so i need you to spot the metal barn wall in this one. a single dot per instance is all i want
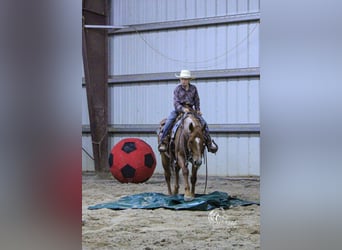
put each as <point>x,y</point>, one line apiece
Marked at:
<point>203,48</point>
<point>155,55</point>
<point>233,101</point>
<point>238,156</point>
<point>127,12</point>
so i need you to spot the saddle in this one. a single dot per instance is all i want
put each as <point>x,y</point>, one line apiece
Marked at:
<point>173,130</point>
<point>170,136</point>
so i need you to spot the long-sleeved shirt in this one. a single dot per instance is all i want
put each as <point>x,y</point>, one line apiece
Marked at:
<point>188,97</point>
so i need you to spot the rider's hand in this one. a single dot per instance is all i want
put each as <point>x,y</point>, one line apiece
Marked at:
<point>186,110</point>
<point>199,112</point>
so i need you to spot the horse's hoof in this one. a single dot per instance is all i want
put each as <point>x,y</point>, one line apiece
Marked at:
<point>188,198</point>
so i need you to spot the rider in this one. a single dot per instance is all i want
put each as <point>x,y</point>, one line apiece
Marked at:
<point>185,98</point>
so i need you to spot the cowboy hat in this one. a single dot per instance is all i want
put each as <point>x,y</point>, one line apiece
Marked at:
<point>185,74</point>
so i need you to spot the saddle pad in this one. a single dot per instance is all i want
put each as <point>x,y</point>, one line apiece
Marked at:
<point>175,127</point>
<point>202,202</point>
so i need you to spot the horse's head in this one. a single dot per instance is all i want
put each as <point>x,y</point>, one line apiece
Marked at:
<point>196,143</point>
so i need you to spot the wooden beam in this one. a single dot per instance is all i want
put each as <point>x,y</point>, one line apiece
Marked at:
<point>95,62</point>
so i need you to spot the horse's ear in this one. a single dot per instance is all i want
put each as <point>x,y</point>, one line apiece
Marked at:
<point>191,127</point>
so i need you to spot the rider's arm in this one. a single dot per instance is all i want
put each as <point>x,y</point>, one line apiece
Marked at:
<point>197,101</point>
<point>177,101</point>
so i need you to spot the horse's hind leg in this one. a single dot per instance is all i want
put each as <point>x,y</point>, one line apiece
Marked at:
<point>167,172</point>
<point>176,186</point>
<point>167,175</point>
<point>193,180</point>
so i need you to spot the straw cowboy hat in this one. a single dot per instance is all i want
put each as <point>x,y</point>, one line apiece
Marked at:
<point>185,74</point>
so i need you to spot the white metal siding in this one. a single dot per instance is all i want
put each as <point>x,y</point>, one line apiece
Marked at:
<point>222,101</point>
<point>202,48</point>
<point>128,12</point>
<point>238,155</point>
<point>87,162</point>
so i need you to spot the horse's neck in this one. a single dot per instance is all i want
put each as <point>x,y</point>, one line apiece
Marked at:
<point>186,124</point>
<point>183,133</point>
<point>191,119</point>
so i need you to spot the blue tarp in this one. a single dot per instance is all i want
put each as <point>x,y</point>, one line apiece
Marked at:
<point>202,202</point>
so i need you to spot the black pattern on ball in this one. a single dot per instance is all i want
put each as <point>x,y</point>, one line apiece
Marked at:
<point>128,147</point>
<point>149,161</point>
<point>128,171</point>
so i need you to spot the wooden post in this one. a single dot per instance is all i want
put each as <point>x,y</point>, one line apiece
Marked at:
<point>95,62</point>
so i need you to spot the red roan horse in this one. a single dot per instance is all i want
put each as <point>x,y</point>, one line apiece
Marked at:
<point>187,146</point>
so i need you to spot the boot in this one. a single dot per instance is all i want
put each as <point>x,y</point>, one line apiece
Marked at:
<point>162,147</point>
<point>211,145</point>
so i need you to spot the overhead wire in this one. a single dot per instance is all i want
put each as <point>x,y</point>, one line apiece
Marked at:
<point>199,61</point>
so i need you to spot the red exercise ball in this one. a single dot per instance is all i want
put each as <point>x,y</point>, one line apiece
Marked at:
<point>132,160</point>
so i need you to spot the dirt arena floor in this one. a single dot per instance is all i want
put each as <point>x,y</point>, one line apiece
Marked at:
<point>234,228</point>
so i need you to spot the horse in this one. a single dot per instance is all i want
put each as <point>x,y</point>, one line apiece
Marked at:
<point>187,146</point>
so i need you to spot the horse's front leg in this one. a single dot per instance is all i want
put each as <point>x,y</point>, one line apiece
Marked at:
<point>193,179</point>
<point>185,171</point>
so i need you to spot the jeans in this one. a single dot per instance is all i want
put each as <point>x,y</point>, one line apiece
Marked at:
<point>172,117</point>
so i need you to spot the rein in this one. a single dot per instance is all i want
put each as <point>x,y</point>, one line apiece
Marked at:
<point>206,171</point>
